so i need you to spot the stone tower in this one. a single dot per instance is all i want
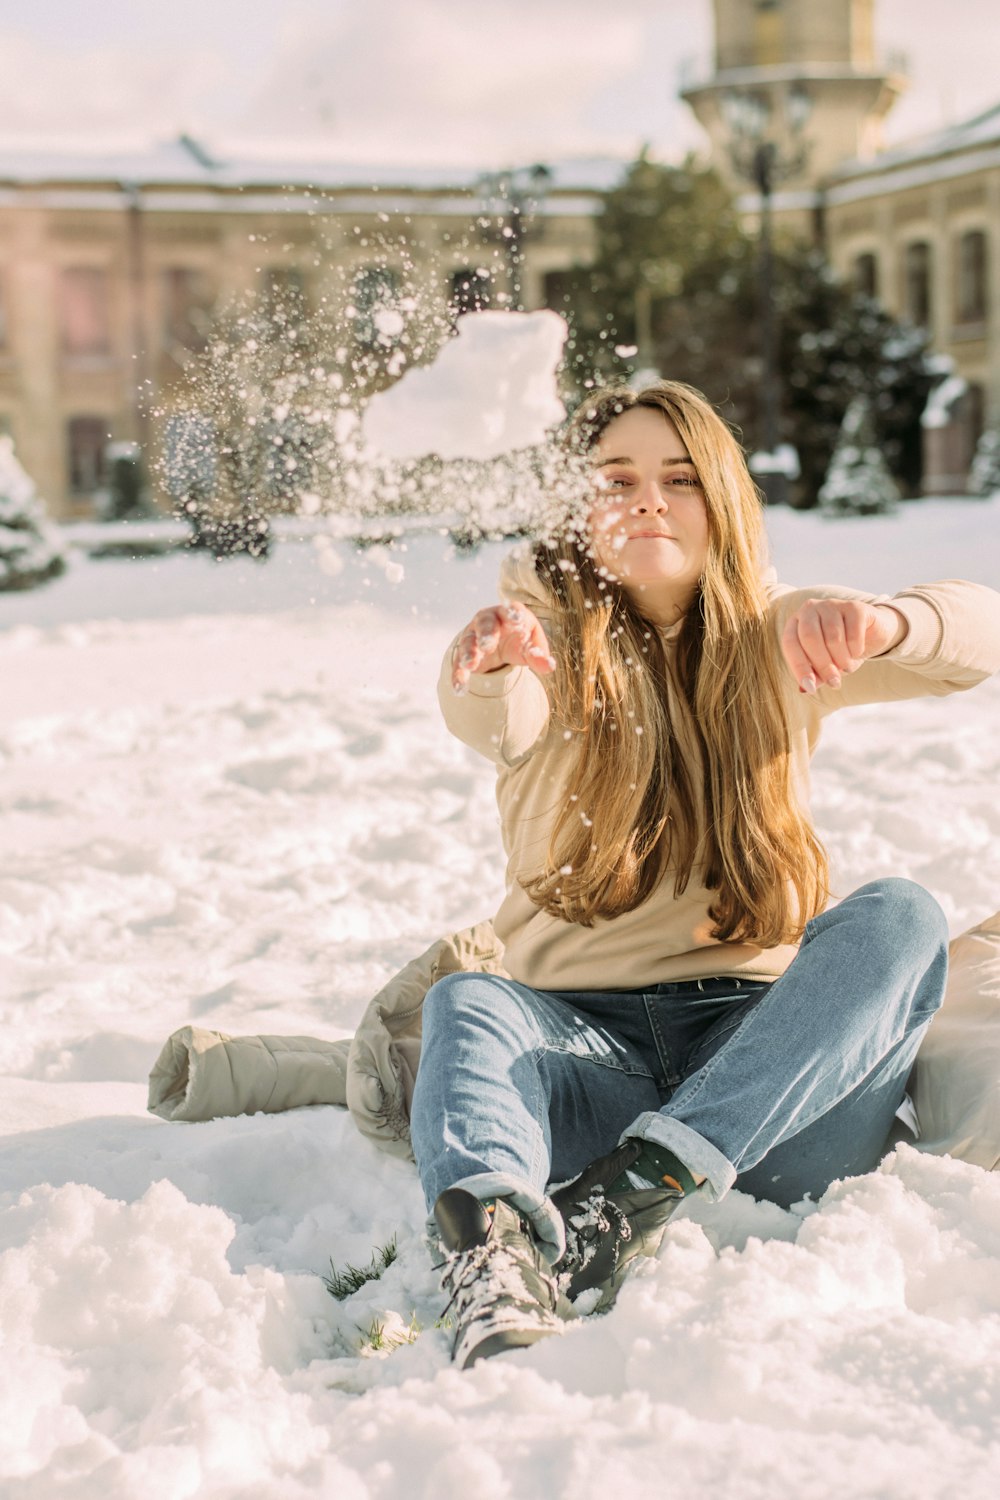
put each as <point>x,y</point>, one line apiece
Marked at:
<point>802,72</point>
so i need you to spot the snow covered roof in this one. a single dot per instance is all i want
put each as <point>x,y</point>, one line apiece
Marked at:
<point>979,132</point>
<point>190,162</point>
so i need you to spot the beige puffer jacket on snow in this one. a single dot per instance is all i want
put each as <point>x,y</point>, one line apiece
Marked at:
<point>201,1075</point>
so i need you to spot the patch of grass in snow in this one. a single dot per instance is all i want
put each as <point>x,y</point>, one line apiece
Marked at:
<point>377,1339</point>
<point>343,1284</point>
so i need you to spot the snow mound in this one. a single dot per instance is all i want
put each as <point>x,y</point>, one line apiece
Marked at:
<point>508,359</point>
<point>249,821</point>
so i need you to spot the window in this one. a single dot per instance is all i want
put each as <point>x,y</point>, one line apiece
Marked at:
<point>87,438</point>
<point>471,290</point>
<point>866,274</point>
<point>283,292</point>
<point>84,311</point>
<point>288,464</point>
<point>187,308</point>
<point>375,297</point>
<point>917,283</point>
<point>189,455</point>
<point>975,416</point>
<point>971,298</point>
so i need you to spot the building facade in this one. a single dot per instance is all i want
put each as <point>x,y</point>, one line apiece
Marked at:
<point>918,227</point>
<point>113,272</point>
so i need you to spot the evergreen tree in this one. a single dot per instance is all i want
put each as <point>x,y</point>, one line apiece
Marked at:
<point>656,230</point>
<point>30,550</point>
<point>858,482</point>
<point>837,345</point>
<point>833,346</point>
<point>984,476</point>
<point>671,246</point>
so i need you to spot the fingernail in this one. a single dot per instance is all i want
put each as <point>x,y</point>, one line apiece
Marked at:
<point>834,679</point>
<point>460,688</point>
<point>808,684</point>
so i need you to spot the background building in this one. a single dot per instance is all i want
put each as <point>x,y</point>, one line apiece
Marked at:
<point>799,67</point>
<point>915,227</point>
<point>919,228</point>
<point>113,269</point>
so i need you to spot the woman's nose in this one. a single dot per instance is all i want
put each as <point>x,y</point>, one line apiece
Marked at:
<point>649,498</point>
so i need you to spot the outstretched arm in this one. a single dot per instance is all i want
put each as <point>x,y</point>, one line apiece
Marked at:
<point>825,638</point>
<point>490,690</point>
<point>845,647</point>
<point>501,635</point>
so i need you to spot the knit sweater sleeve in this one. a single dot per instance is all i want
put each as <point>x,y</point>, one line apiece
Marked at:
<point>952,642</point>
<point>504,715</point>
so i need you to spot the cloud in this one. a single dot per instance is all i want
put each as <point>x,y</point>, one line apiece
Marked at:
<point>103,89</point>
<point>443,80</point>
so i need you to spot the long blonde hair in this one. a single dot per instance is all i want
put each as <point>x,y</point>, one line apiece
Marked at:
<point>630,815</point>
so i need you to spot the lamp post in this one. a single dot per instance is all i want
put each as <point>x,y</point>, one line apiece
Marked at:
<point>515,198</point>
<point>760,156</point>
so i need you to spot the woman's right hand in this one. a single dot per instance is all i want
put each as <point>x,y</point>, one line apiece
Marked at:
<point>502,635</point>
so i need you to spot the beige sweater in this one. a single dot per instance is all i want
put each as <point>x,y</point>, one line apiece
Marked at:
<point>952,643</point>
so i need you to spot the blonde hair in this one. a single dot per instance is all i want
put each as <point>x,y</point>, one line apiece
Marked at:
<point>631,813</point>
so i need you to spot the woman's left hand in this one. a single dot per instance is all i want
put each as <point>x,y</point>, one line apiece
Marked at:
<point>825,638</point>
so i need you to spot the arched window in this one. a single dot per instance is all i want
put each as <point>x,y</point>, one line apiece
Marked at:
<point>471,290</point>
<point>375,298</point>
<point>866,274</point>
<point>86,441</point>
<point>187,308</point>
<point>917,283</point>
<point>84,310</point>
<point>190,447</point>
<point>971,301</point>
<point>975,415</point>
<point>283,295</point>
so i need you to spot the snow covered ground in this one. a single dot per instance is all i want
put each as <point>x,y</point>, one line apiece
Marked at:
<point>226,797</point>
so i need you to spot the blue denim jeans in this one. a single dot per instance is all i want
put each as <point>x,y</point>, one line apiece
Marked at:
<point>775,1087</point>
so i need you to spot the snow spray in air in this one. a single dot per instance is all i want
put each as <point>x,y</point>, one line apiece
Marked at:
<point>370,411</point>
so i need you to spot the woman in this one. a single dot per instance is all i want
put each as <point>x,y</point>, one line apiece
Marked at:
<point>685,1011</point>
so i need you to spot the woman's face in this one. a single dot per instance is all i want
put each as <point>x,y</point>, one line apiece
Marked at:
<point>649,525</point>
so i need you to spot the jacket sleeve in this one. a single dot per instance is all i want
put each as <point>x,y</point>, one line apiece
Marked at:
<point>952,642</point>
<point>956,1080</point>
<point>202,1075</point>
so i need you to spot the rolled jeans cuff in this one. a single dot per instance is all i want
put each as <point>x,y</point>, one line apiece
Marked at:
<point>546,1220</point>
<point>697,1154</point>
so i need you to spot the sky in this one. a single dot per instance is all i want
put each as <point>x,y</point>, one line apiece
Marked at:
<point>407,81</point>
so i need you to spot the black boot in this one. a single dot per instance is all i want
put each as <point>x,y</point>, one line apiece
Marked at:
<point>503,1293</point>
<point>609,1221</point>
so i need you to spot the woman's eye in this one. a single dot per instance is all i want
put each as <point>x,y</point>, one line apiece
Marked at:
<point>685,479</point>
